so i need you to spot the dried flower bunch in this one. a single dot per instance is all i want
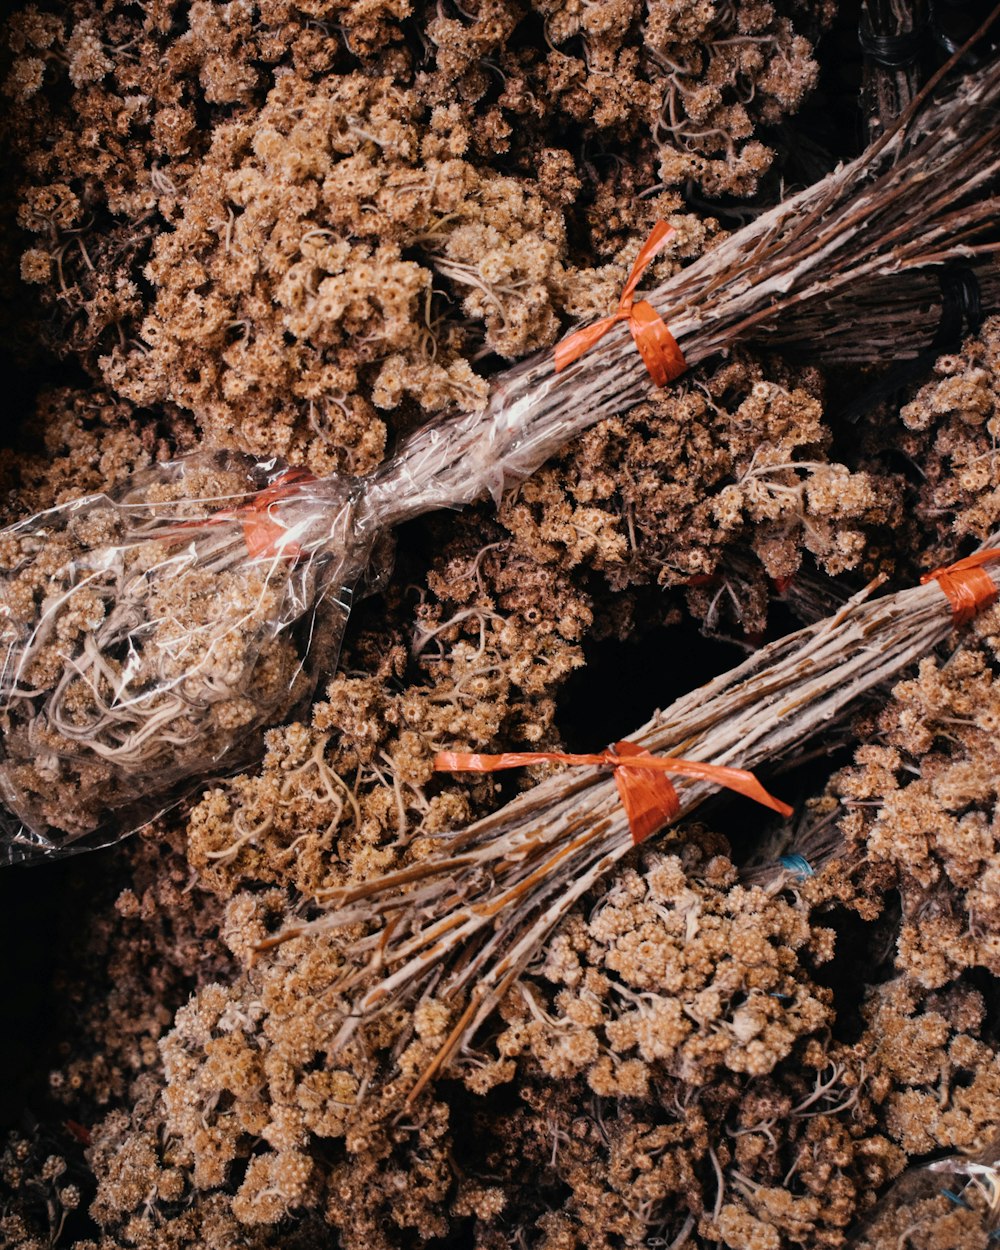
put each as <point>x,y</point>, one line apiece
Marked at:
<point>459,925</point>
<point>146,632</point>
<point>828,243</point>
<point>295,229</point>
<point>297,225</point>
<point>953,1201</point>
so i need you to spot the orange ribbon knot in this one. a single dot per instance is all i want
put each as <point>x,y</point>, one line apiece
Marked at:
<point>966,583</point>
<point>262,531</point>
<point>649,799</point>
<point>657,346</point>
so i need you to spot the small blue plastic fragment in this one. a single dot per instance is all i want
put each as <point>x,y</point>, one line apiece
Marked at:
<point>958,1200</point>
<point>799,865</point>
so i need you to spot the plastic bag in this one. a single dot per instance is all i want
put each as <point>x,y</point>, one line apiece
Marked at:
<point>953,1202</point>
<point>146,634</point>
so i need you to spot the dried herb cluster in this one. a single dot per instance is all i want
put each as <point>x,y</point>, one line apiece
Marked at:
<point>708,1052</point>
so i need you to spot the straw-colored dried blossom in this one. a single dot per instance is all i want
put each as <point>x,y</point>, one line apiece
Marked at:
<point>139,109</point>
<point>784,1142</point>
<point>564,1162</point>
<point>262,1041</point>
<point>245,1078</point>
<point>502,625</point>
<point>920,806</point>
<point>952,425</point>
<point>928,1221</point>
<point>90,442</point>
<point>46,1191</point>
<point>353,788</point>
<point>296,228</point>
<point>675,970</point>
<point>934,1059</point>
<point>144,950</point>
<point>700,78</point>
<point>674,489</point>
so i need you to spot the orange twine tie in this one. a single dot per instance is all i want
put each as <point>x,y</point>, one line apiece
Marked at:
<point>966,583</point>
<point>657,346</point>
<point>649,799</point>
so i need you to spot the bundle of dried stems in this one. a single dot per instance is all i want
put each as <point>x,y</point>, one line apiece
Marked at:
<point>121,674</point>
<point>463,923</point>
<point>850,268</point>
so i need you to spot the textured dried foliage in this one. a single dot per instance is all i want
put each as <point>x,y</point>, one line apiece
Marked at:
<point>952,425</point>
<point>250,216</point>
<point>670,1056</point>
<point>241,211</point>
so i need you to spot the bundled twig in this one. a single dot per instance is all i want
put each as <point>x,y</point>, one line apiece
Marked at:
<point>463,923</point>
<point>152,633</point>
<point>850,266</point>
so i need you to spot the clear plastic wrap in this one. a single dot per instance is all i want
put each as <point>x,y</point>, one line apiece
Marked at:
<point>953,1202</point>
<point>146,634</point>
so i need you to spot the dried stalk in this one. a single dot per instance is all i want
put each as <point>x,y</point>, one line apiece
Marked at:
<point>848,266</point>
<point>891,34</point>
<point>463,923</point>
<point>141,640</point>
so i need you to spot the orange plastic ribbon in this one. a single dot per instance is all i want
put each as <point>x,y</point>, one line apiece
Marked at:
<point>261,530</point>
<point>967,584</point>
<point>649,799</point>
<point>657,346</point>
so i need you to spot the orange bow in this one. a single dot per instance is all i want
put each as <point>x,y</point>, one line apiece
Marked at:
<point>649,800</point>
<point>657,346</point>
<point>967,584</point>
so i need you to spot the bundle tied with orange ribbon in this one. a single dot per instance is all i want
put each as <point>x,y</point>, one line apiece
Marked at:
<point>457,926</point>
<point>147,636</point>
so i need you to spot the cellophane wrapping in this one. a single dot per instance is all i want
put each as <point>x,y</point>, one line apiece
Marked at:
<point>146,635</point>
